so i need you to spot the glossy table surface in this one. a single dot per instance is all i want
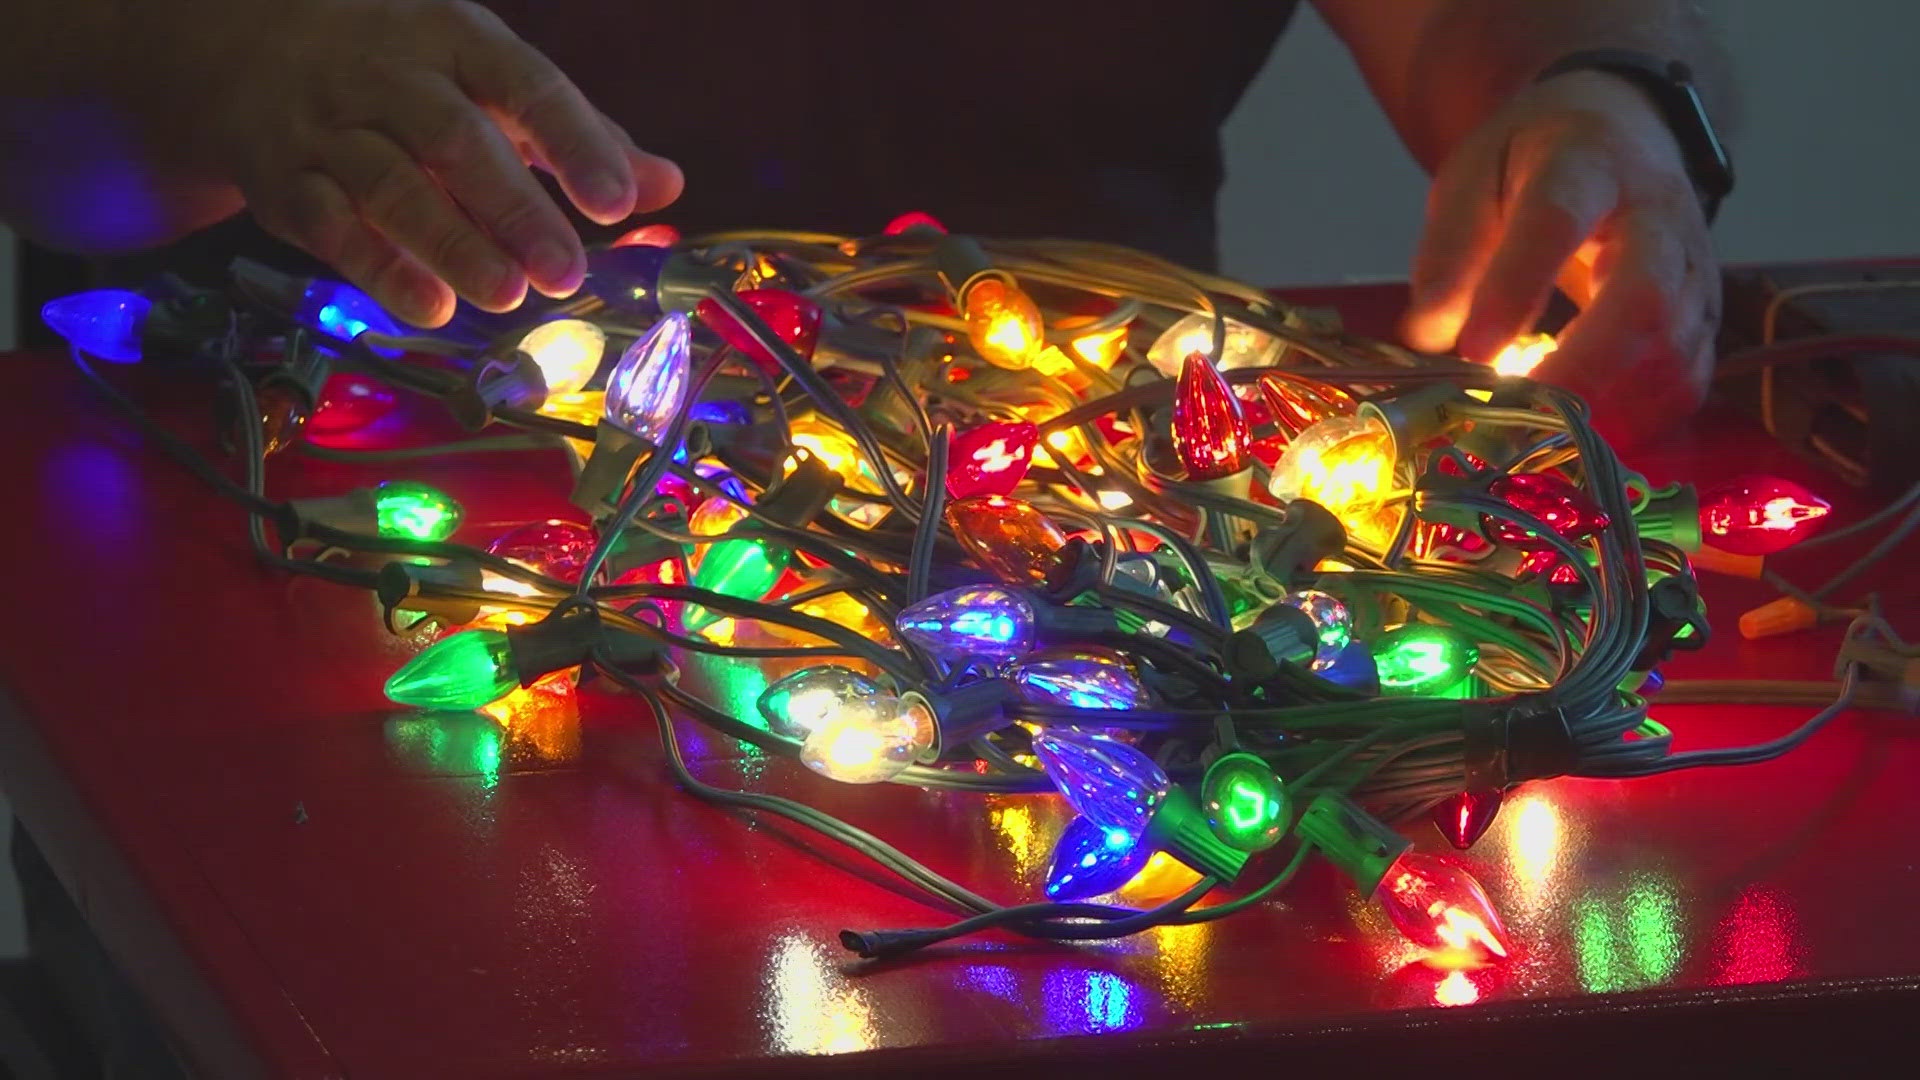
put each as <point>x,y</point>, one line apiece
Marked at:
<point>308,883</point>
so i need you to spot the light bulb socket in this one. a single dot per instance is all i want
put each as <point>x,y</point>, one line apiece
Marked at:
<point>302,371</point>
<point>1282,634</point>
<point>400,585</point>
<point>615,452</point>
<point>355,512</point>
<point>508,379</point>
<point>1309,534</point>
<point>1436,498</point>
<point>799,497</point>
<point>1672,515</point>
<point>1075,570</point>
<point>1362,846</point>
<point>960,261</point>
<point>963,713</point>
<point>1055,624</point>
<point>1179,828</point>
<point>685,281</point>
<point>1419,415</point>
<point>569,637</point>
<point>1674,606</point>
<point>636,547</point>
<point>279,291</point>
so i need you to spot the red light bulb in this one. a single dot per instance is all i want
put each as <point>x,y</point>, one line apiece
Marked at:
<point>1440,906</point>
<point>655,235</point>
<point>990,459</point>
<point>1759,515</point>
<point>558,549</point>
<point>349,402</point>
<point>1209,430</point>
<point>1559,505</point>
<point>1465,818</point>
<point>792,316</point>
<point>914,219</point>
<point>1007,537</point>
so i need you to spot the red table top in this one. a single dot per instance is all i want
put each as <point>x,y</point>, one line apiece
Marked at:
<point>309,884</point>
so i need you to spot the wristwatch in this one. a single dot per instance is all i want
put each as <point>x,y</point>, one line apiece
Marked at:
<point>1670,84</point>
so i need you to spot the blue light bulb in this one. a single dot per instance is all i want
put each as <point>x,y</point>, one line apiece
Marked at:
<point>1080,677</point>
<point>339,309</point>
<point>1110,783</point>
<point>1089,860</point>
<point>973,622</point>
<point>1354,668</point>
<point>104,323</point>
<point>627,279</point>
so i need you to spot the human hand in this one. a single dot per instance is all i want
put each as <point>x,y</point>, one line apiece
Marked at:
<point>1577,178</point>
<point>391,139</point>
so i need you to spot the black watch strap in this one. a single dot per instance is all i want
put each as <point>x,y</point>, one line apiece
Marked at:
<point>1670,84</point>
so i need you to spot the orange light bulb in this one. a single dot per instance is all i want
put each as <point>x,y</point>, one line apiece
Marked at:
<point>1008,537</point>
<point>1002,323</point>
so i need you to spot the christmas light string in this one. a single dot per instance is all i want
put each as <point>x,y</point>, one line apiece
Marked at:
<point>1256,586</point>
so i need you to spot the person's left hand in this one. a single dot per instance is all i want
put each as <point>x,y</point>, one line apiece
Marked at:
<point>1577,178</point>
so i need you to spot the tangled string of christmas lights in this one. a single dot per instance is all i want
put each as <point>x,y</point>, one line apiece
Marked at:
<point>1031,516</point>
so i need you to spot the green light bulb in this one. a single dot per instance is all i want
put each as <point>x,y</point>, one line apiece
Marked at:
<point>1423,660</point>
<point>1245,802</point>
<point>460,671</point>
<point>743,567</point>
<point>405,510</point>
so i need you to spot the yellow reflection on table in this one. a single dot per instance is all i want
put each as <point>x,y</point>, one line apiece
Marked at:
<point>811,1008</point>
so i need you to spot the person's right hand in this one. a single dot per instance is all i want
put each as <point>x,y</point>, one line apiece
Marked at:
<point>391,139</point>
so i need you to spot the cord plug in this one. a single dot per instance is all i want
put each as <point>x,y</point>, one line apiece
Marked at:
<point>885,944</point>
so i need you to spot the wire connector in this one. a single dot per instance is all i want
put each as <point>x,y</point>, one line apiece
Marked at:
<point>1506,742</point>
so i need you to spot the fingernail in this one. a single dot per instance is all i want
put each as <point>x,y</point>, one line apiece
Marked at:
<point>504,284</point>
<point>551,263</point>
<point>605,190</point>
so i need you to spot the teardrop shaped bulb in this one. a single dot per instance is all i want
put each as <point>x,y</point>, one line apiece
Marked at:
<point>990,458</point>
<point>1209,429</point>
<point>1010,538</point>
<point>649,384</point>
<point>464,670</point>
<point>558,549</point>
<point>1080,677</point>
<point>794,318</point>
<point>981,622</point>
<point>105,322</point>
<point>1109,783</point>
<point>1089,860</point>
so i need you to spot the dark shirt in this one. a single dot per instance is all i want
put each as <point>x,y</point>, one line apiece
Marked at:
<point>1063,118</point>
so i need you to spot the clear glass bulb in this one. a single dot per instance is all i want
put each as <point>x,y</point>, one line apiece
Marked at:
<point>1243,346</point>
<point>648,386</point>
<point>800,702</point>
<point>1331,621</point>
<point>567,351</point>
<point>869,740</point>
<point>1344,463</point>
